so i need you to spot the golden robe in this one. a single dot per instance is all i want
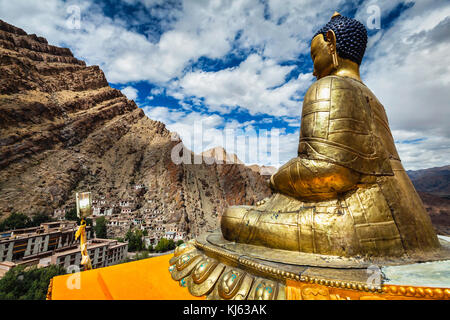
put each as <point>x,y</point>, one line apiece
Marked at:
<point>347,192</point>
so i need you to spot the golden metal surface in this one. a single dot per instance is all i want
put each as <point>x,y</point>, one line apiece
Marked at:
<point>331,273</point>
<point>203,270</point>
<point>335,14</point>
<point>226,282</point>
<point>185,264</point>
<point>205,287</point>
<point>206,276</point>
<point>282,271</point>
<point>214,244</point>
<point>173,260</point>
<point>343,123</point>
<point>313,179</point>
<point>312,291</point>
<point>263,289</point>
<point>183,248</point>
<point>371,220</point>
<point>230,282</point>
<point>347,193</point>
<point>233,284</point>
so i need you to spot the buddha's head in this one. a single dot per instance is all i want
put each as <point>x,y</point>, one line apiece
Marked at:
<point>338,48</point>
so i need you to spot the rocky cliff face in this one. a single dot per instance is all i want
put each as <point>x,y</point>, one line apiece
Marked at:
<point>435,181</point>
<point>439,210</point>
<point>433,186</point>
<point>64,129</point>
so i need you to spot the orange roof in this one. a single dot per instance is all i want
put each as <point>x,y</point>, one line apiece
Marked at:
<point>147,279</point>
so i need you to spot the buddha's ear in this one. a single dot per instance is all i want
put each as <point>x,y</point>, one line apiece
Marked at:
<point>331,39</point>
<point>331,44</point>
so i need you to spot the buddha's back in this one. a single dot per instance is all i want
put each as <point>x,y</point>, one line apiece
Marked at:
<point>346,193</point>
<point>413,222</point>
<point>381,215</point>
<point>343,122</point>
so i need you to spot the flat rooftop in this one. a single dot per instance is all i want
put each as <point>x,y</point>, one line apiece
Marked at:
<point>44,228</point>
<point>91,244</point>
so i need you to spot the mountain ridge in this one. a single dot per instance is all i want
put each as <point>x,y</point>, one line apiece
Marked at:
<point>434,180</point>
<point>433,186</point>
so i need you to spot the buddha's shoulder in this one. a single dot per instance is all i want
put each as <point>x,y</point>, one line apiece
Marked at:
<point>322,89</point>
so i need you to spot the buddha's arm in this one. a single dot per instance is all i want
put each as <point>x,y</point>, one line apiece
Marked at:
<point>313,179</point>
<point>331,113</point>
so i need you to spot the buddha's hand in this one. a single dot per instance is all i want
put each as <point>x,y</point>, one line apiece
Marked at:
<point>313,179</point>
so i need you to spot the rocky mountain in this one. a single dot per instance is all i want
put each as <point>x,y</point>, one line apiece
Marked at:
<point>263,170</point>
<point>439,211</point>
<point>433,186</point>
<point>63,129</point>
<point>219,155</point>
<point>433,180</point>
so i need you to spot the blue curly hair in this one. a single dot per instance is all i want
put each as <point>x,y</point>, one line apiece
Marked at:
<point>351,37</point>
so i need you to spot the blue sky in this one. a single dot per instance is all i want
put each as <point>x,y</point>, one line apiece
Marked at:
<point>245,64</point>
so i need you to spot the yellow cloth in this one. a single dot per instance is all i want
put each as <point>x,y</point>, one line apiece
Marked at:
<point>147,279</point>
<point>81,232</point>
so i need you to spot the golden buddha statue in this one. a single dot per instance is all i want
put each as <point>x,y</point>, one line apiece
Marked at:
<point>347,192</point>
<point>341,210</point>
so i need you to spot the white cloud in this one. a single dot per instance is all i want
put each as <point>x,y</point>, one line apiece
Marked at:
<point>409,71</point>
<point>156,91</point>
<point>256,85</point>
<point>200,132</point>
<point>433,151</point>
<point>130,92</point>
<point>200,28</point>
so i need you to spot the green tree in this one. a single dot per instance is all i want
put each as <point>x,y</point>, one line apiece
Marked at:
<point>100,227</point>
<point>15,221</point>
<point>171,244</point>
<point>89,222</point>
<point>39,218</point>
<point>32,283</point>
<point>71,214</point>
<point>20,220</point>
<point>165,245</point>
<point>162,245</point>
<point>135,240</point>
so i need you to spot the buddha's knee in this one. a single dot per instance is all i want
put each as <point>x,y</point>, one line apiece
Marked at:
<point>231,221</point>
